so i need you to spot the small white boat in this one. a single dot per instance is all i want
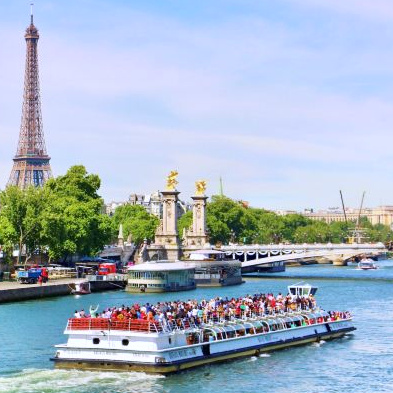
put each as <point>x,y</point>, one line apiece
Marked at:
<point>81,288</point>
<point>367,264</point>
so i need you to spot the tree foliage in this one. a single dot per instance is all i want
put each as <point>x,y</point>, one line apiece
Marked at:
<point>136,221</point>
<point>228,220</point>
<point>20,218</point>
<point>64,217</point>
<point>72,221</point>
<point>184,222</point>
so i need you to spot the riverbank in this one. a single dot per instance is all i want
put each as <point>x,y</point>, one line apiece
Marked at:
<point>13,291</point>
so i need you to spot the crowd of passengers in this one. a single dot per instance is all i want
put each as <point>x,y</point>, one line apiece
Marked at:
<point>216,309</point>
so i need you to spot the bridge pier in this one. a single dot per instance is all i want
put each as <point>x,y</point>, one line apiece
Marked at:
<point>323,260</point>
<point>339,261</point>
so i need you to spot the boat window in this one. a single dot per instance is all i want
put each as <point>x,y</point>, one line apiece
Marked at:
<point>222,334</point>
<point>241,331</point>
<point>280,325</point>
<point>125,341</point>
<point>209,335</point>
<point>249,328</point>
<point>229,331</point>
<point>257,326</point>
<point>216,329</point>
<point>96,340</point>
<point>191,339</point>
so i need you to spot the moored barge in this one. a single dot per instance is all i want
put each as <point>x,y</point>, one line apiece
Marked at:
<point>167,346</point>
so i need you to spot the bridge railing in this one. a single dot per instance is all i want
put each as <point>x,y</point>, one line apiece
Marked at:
<point>303,246</point>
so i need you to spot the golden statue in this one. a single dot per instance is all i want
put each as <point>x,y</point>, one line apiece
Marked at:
<point>171,181</point>
<point>200,187</point>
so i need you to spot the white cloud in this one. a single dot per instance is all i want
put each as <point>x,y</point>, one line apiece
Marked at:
<point>269,106</point>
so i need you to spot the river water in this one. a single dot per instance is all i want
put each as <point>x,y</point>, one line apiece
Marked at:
<point>359,363</point>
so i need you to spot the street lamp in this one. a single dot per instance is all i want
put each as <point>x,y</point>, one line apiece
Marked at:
<point>232,236</point>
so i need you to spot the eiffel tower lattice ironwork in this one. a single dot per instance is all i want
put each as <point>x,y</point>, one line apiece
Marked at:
<point>31,162</point>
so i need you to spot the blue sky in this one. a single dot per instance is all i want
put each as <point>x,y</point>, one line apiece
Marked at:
<point>288,100</point>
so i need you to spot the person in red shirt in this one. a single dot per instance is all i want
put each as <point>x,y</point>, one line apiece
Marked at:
<point>44,275</point>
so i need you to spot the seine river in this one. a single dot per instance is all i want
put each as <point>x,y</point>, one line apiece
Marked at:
<point>360,363</point>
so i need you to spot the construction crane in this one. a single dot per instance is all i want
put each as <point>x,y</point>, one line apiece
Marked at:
<point>342,203</point>
<point>358,233</point>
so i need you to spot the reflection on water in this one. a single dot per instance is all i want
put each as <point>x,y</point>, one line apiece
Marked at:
<point>28,331</point>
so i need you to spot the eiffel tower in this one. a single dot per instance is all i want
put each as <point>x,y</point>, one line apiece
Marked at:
<point>31,162</point>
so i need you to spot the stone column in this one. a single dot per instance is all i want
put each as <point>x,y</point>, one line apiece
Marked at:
<point>120,238</point>
<point>196,235</point>
<point>166,234</point>
<point>199,216</point>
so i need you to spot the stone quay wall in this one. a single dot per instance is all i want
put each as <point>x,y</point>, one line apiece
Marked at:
<point>20,292</point>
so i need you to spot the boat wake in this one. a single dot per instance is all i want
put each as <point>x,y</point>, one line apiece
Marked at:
<point>318,344</point>
<point>256,357</point>
<point>70,381</point>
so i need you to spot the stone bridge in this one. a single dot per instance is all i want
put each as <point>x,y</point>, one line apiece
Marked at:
<point>260,255</point>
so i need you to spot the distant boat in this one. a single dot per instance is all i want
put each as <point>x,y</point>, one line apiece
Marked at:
<point>81,288</point>
<point>367,264</point>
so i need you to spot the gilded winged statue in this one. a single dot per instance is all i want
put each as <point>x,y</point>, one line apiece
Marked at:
<point>171,181</point>
<point>200,186</point>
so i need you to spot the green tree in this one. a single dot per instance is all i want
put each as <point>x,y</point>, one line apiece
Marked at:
<point>184,222</point>
<point>136,221</point>
<point>72,221</point>
<point>291,223</point>
<point>218,231</point>
<point>314,232</point>
<point>21,218</point>
<point>339,231</point>
<point>270,227</point>
<point>223,219</point>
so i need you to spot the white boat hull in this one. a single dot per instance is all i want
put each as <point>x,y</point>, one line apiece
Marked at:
<point>109,357</point>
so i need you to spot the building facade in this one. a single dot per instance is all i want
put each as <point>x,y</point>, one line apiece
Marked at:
<point>378,215</point>
<point>153,204</point>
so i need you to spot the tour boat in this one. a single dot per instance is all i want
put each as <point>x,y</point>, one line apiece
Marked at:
<point>170,346</point>
<point>367,264</point>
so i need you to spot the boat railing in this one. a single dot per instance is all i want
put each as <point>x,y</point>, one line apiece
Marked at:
<point>136,325</point>
<point>183,324</point>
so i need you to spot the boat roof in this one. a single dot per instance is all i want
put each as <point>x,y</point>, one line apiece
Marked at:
<point>302,284</point>
<point>207,252</point>
<point>302,289</point>
<point>161,266</point>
